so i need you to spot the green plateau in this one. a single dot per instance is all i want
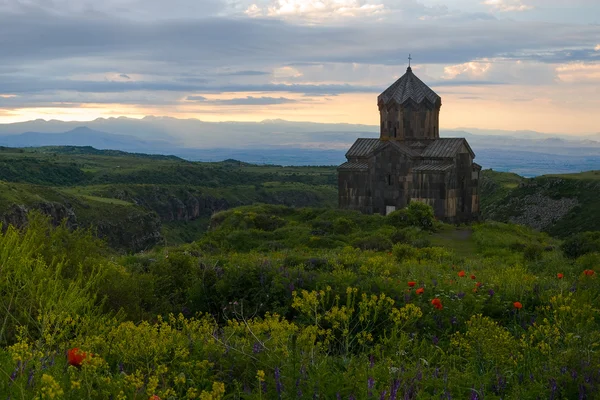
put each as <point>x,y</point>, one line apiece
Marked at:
<point>130,276</point>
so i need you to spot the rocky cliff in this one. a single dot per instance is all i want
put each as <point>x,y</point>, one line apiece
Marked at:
<point>560,205</point>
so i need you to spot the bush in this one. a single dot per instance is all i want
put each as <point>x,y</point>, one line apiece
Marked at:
<point>373,242</point>
<point>343,226</point>
<point>404,251</point>
<point>415,214</point>
<point>581,243</point>
<point>420,215</point>
<point>533,252</point>
<point>405,235</point>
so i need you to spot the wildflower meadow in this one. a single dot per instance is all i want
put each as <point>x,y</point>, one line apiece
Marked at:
<point>284,303</point>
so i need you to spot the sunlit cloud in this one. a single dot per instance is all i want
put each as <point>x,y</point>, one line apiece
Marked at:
<point>579,73</point>
<point>476,69</point>
<point>507,5</point>
<point>315,10</point>
<point>283,73</point>
<point>597,48</point>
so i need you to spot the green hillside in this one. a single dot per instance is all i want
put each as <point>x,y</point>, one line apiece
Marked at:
<point>280,302</point>
<point>558,204</point>
<point>137,201</point>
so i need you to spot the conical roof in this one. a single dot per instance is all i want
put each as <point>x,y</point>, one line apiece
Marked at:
<point>409,87</point>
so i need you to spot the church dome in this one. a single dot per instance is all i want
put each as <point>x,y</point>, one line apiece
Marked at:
<point>409,87</point>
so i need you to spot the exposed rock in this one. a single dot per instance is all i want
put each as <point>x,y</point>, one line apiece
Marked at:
<point>58,212</point>
<point>138,231</point>
<point>539,211</point>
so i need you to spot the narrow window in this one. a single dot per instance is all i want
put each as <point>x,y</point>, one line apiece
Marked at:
<point>389,179</point>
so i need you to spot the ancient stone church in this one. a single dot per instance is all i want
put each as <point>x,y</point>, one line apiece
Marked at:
<point>409,161</point>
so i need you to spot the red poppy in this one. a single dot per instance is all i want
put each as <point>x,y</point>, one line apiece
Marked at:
<point>461,274</point>
<point>560,276</point>
<point>154,397</point>
<point>75,357</point>
<point>420,290</point>
<point>517,305</point>
<point>412,283</point>
<point>473,277</point>
<point>589,272</point>
<point>474,290</point>
<point>479,284</point>
<point>437,303</point>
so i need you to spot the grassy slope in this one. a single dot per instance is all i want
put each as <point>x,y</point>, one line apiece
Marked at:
<point>503,197</point>
<point>97,182</point>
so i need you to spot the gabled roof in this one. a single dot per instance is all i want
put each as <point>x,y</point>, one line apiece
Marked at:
<point>446,148</point>
<point>354,166</point>
<point>433,167</point>
<point>362,147</point>
<point>409,87</point>
<point>403,148</point>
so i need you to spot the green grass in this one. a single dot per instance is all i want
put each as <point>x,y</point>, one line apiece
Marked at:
<point>459,240</point>
<point>588,175</point>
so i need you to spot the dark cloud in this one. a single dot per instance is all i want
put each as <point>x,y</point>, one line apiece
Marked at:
<point>244,101</point>
<point>214,42</point>
<point>196,98</point>
<point>44,51</point>
<point>245,73</point>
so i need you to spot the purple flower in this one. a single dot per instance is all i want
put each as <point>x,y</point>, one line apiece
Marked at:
<point>582,394</point>
<point>298,388</point>
<point>460,295</point>
<point>30,378</point>
<point>553,388</point>
<point>256,348</point>
<point>278,385</point>
<point>371,361</point>
<point>435,340</point>
<point>491,292</point>
<point>383,395</point>
<point>474,394</point>
<point>370,385</point>
<point>394,391</point>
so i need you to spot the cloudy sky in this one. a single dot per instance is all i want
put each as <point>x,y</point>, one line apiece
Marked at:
<point>500,64</point>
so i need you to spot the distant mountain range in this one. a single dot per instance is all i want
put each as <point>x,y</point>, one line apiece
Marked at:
<point>283,142</point>
<point>83,136</point>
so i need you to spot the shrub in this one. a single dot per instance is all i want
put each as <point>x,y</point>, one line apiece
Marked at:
<point>581,243</point>
<point>406,235</point>
<point>373,242</point>
<point>404,251</point>
<point>533,252</point>
<point>420,215</point>
<point>343,226</point>
<point>415,214</point>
